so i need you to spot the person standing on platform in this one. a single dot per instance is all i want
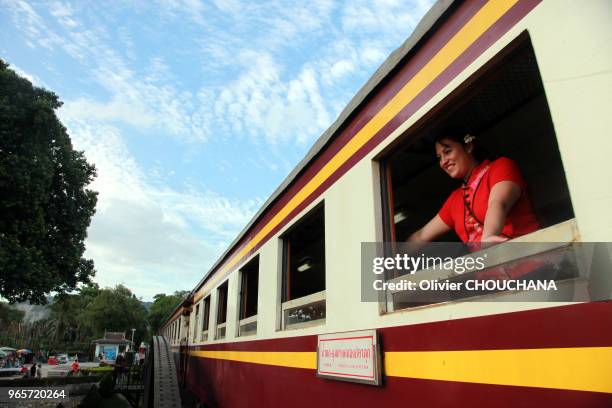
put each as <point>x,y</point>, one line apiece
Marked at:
<point>75,367</point>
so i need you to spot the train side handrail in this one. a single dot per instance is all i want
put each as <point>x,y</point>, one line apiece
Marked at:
<point>161,382</point>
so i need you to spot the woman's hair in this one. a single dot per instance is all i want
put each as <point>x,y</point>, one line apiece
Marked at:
<point>460,136</point>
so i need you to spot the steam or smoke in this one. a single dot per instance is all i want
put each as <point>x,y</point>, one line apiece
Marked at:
<point>33,313</point>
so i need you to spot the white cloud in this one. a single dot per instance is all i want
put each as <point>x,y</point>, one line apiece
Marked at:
<point>143,100</point>
<point>153,238</point>
<point>268,73</point>
<point>133,113</point>
<point>34,79</point>
<point>342,68</point>
<point>228,6</point>
<point>264,106</point>
<point>380,16</point>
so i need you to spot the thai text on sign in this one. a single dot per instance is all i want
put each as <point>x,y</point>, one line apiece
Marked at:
<point>349,356</point>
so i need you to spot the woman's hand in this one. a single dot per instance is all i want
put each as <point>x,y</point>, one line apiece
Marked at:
<point>432,230</point>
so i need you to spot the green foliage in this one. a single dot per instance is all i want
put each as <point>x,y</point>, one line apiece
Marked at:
<point>69,315</point>
<point>162,307</point>
<point>97,370</point>
<point>9,314</point>
<point>93,399</point>
<point>75,320</point>
<point>106,386</point>
<point>45,207</point>
<point>116,309</point>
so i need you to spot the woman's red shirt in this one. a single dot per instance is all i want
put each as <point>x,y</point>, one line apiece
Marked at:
<point>521,218</point>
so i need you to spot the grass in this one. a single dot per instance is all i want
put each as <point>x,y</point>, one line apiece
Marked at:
<point>97,370</point>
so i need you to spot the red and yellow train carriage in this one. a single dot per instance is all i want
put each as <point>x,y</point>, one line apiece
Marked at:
<point>533,79</point>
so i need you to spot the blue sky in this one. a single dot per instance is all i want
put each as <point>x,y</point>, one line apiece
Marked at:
<point>194,111</point>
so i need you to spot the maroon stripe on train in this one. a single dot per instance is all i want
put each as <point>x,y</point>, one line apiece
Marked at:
<point>576,325</point>
<point>458,19</point>
<point>434,43</point>
<point>230,384</point>
<point>467,57</point>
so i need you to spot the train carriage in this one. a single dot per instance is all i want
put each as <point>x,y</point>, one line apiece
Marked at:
<point>532,78</point>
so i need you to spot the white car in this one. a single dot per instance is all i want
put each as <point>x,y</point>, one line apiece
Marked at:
<point>62,359</point>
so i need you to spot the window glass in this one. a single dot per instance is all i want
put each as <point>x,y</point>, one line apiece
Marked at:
<point>196,323</point>
<point>304,256</point>
<point>206,315</point>
<point>304,269</point>
<point>221,310</point>
<point>248,288</point>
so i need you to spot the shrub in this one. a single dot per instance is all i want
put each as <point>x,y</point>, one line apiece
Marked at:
<point>106,386</point>
<point>97,370</point>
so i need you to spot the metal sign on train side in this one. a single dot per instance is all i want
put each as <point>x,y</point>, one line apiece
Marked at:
<point>350,356</point>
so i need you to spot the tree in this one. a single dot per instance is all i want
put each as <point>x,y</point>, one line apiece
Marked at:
<point>116,309</point>
<point>45,207</point>
<point>162,307</point>
<point>9,314</point>
<point>11,320</point>
<point>69,316</point>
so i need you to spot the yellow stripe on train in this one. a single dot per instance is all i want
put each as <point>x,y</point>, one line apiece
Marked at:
<point>492,11</point>
<point>578,369</point>
<point>293,359</point>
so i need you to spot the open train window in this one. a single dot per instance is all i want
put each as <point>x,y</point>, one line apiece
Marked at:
<point>205,317</point>
<point>221,310</point>
<point>303,300</point>
<point>196,324</point>
<point>249,285</point>
<point>505,106</point>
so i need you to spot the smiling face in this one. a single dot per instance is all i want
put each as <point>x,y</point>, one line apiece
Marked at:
<point>455,158</point>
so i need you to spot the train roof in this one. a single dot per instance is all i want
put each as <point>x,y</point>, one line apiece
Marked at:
<point>434,16</point>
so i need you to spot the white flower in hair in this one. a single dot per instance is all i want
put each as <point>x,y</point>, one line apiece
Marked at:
<point>468,138</point>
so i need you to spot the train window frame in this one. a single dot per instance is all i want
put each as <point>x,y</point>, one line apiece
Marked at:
<point>315,300</point>
<point>205,318</point>
<point>247,320</point>
<point>562,231</point>
<point>196,324</point>
<point>222,303</point>
<point>186,331</point>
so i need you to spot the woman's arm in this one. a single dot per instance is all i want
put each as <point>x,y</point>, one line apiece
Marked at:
<point>432,230</point>
<point>501,199</point>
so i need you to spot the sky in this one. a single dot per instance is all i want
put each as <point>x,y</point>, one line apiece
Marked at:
<point>193,111</point>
